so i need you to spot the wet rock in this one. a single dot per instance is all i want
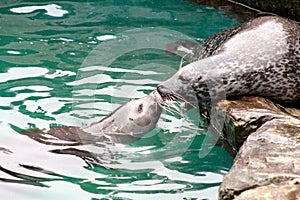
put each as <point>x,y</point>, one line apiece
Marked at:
<point>286,190</point>
<point>231,10</point>
<point>289,9</point>
<point>245,116</point>
<point>243,10</point>
<point>267,165</point>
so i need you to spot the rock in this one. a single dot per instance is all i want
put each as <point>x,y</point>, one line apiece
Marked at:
<point>239,9</point>
<point>231,10</point>
<point>287,190</point>
<point>267,165</point>
<point>246,115</point>
<point>288,8</point>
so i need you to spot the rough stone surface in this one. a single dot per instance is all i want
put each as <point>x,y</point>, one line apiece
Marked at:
<point>246,115</point>
<point>286,190</point>
<point>286,8</point>
<point>267,165</point>
<point>233,8</point>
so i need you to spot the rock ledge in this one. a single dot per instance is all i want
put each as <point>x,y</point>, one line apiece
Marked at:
<point>267,165</point>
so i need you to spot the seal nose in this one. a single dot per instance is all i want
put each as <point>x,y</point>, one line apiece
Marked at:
<point>160,89</point>
<point>163,91</point>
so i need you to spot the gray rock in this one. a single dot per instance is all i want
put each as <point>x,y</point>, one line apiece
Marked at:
<point>286,8</point>
<point>239,9</point>
<point>286,190</point>
<point>267,165</point>
<point>245,116</point>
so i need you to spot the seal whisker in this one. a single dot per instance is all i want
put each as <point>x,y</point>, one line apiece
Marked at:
<point>173,112</point>
<point>231,65</point>
<point>173,96</point>
<point>173,108</point>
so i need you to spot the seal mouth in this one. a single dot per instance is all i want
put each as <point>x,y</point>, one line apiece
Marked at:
<point>159,101</point>
<point>169,95</point>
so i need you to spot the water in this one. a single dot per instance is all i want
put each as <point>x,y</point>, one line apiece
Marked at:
<point>72,63</point>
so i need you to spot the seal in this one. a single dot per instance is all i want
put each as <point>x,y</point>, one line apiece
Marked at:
<point>126,124</point>
<point>135,118</point>
<point>260,57</point>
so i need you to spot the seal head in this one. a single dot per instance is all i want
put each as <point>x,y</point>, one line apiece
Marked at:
<point>261,57</point>
<point>135,118</point>
<point>126,124</point>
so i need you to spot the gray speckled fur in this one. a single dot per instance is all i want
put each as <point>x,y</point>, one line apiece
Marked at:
<point>260,57</point>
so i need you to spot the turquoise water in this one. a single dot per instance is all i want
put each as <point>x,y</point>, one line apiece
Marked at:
<point>72,63</point>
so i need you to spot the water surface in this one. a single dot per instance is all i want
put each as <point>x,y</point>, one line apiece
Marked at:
<point>72,63</point>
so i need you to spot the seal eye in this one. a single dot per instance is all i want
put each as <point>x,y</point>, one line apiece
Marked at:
<point>140,108</point>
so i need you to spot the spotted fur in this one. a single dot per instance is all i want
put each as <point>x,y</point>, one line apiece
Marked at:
<point>260,57</point>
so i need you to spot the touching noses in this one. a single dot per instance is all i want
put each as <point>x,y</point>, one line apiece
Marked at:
<point>162,90</point>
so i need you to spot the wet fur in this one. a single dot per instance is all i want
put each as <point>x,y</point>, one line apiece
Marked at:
<point>264,74</point>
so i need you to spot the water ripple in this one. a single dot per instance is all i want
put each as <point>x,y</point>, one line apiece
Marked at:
<point>20,73</point>
<point>53,10</point>
<point>73,62</point>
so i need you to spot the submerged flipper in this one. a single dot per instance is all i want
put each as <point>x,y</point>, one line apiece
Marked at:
<point>183,48</point>
<point>192,51</point>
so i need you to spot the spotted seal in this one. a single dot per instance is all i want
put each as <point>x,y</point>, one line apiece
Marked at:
<point>126,124</point>
<point>135,118</point>
<point>260,57</point>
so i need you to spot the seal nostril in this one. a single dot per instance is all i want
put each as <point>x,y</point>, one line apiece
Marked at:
<point>161,89</point>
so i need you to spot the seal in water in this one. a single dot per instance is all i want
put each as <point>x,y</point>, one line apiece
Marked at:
<point>260,57</point>
<point>126,124</point>
<point>135,118</point>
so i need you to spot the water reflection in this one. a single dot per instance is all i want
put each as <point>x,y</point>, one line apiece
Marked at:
<point>53,10</point>
<point>47,81</point>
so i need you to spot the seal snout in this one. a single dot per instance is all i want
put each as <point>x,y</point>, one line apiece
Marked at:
<point>163,91</point>
<point>168,94</point>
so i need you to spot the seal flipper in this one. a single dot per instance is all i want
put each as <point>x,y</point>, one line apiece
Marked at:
<point>193,51</point>
<point>63,136</point>
<point>184,48</point>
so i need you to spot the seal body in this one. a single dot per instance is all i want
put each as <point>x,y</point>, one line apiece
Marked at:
<point>260,57</point>
<point>126,124</point>
<point>135,118</point>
